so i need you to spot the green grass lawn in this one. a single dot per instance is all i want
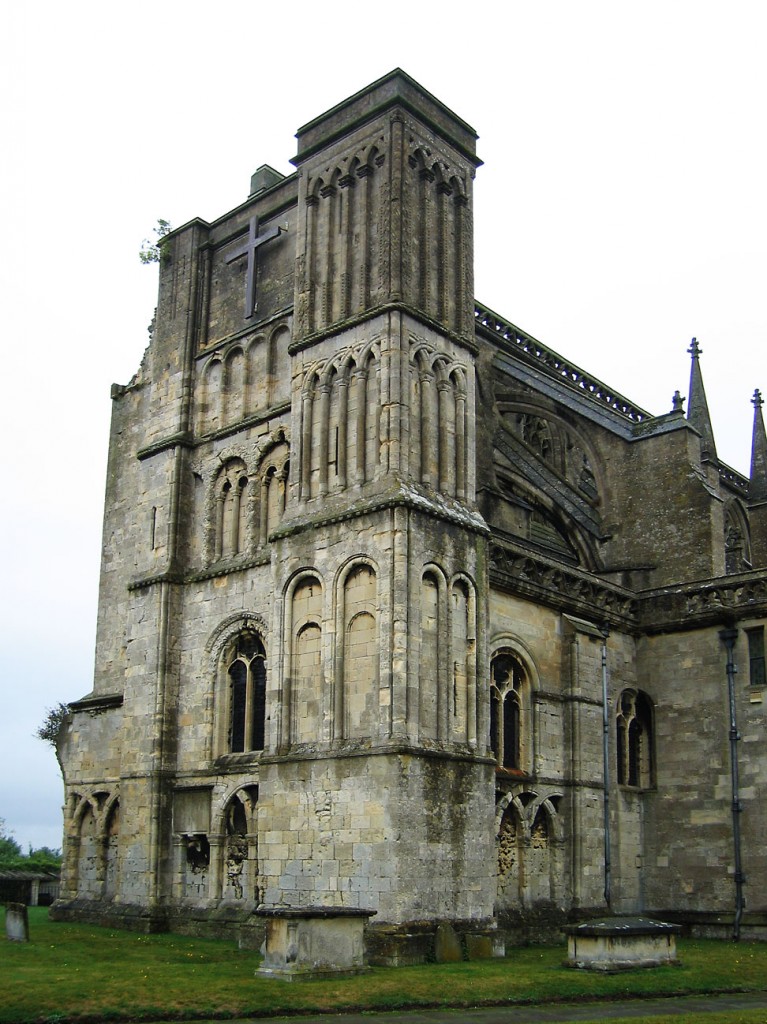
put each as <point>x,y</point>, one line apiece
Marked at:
<point>744,1017</point>
<point>75,972</point>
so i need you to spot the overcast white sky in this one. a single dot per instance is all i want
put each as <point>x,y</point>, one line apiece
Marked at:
<point>621,210</point>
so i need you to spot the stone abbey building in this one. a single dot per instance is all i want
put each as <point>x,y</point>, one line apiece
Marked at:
<point>371,553</point>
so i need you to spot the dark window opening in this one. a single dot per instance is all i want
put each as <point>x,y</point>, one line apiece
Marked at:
<point>508,681</point>
<point>634,740</point>
<point>247,694</point>
<point>756,669</point>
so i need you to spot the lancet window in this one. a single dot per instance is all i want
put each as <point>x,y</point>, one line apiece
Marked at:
<point>240,848</point>
<point>246,674</point>
<point>634,739</point>
<point>509,694</point>
<point>756,672</point>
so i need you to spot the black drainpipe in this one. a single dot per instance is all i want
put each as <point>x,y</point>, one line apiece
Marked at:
<point>605,631</point>
<point>728,638</point>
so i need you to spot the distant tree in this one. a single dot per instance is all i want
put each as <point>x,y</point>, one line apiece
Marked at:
<point>10,851</point>
<point>159,250</point>
<point>41,859</point>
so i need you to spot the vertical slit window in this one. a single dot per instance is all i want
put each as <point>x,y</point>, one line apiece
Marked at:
<point>634,740</point>
<point>756,672</point>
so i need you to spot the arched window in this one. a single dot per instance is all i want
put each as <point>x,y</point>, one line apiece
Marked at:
<point>273,473</point>
<point>508,686</point>
<point>634,736</point>
<point>247,693</point>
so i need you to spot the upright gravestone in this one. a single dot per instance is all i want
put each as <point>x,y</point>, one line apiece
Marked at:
<point>16,922</point>
<point>447,945</point>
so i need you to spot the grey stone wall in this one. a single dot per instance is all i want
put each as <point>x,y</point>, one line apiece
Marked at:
<point>407,524</point>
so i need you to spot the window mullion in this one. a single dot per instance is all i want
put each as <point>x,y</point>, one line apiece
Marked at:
<point>249,722</point>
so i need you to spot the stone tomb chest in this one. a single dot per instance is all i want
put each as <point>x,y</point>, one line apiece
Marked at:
<point>621,943</point>
<point>313,942</point>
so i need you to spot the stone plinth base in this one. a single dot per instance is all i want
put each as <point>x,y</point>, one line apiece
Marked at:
<point>420,942</point>
<point>621,944</point>
<point>313,942</point>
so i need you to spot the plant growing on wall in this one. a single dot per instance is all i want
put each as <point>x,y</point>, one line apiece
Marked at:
<point>159,250</point>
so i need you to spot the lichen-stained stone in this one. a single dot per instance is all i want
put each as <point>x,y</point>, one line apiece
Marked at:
<point>370,554</point>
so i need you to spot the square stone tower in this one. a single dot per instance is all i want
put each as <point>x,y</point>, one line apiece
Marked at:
<point>375,770</point>
<point>293,598</point>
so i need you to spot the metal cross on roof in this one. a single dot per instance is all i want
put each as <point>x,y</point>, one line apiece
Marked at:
<point>250,249</point>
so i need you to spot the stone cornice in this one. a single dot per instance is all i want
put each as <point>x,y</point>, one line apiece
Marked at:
<point>95,704</point>
<point>517,570</point>
<point>675,608</point>
<point>382,310</point>
<point>151,581</point>
<point>406,497</point>
<point>198,575</point>
<point>186,441</point>
<point>180,440</point>
<point>724,600</point>
<point>364,749</point>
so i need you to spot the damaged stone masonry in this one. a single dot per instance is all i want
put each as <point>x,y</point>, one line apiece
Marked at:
<point>361,539</point>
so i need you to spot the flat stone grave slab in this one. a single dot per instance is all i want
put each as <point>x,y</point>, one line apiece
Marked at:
<point>621,944</point>
<point>313,942</point>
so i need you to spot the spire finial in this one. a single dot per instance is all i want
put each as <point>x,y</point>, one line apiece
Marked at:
<point>697,406</point>
<point>757,490</point>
